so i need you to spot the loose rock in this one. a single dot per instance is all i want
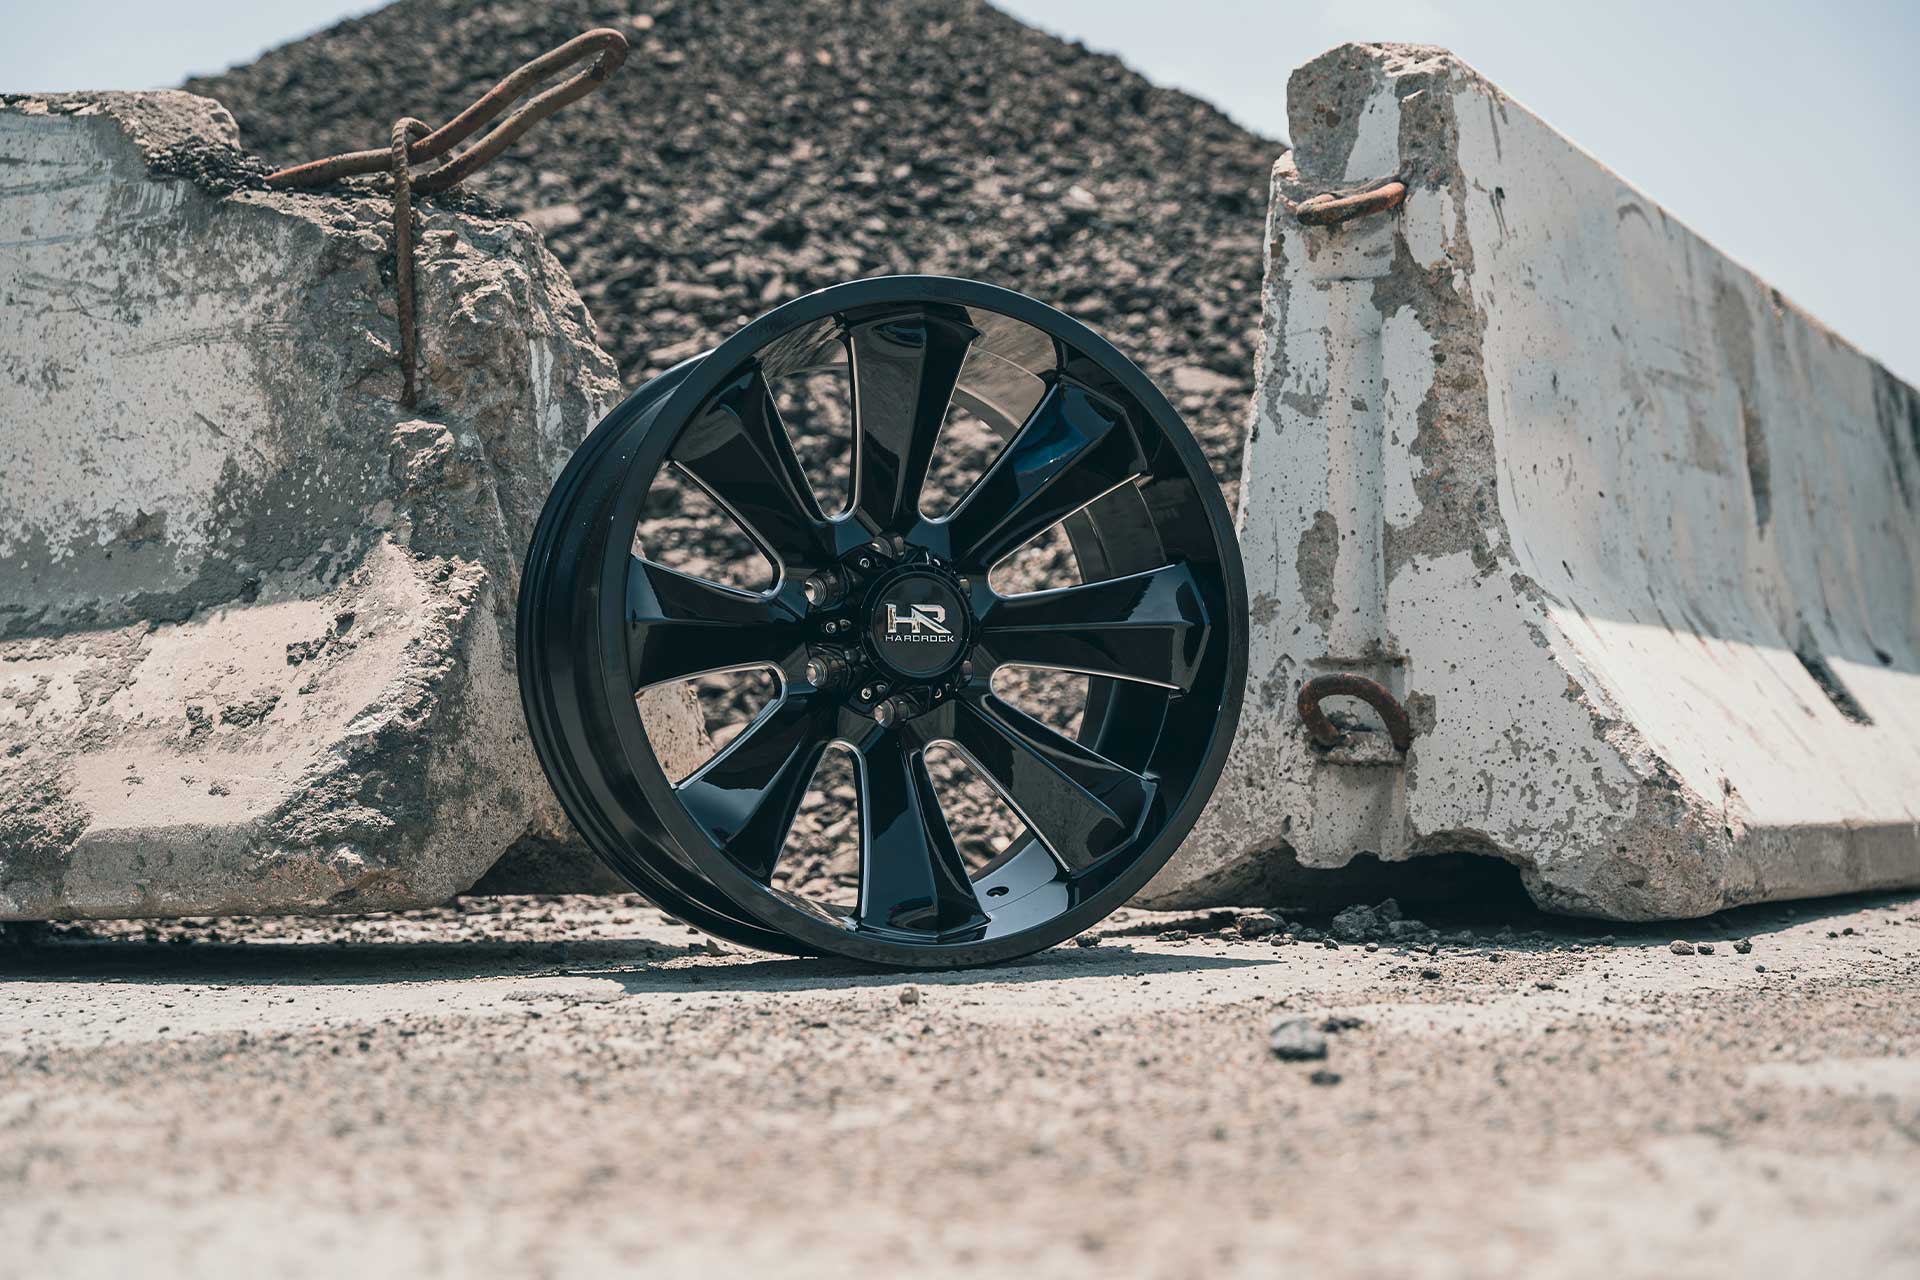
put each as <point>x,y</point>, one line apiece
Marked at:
<point>1297,1040</point>
<point>1258,924</point>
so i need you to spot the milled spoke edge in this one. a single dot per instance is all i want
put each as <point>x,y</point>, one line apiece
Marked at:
<point>912,877</point>
<point>1149,627</point>
<point>738,450</point>
<point>904,369</point>
<point>1082,805</point>
<point>745,798</point>
<point>1074,448</point>
<point>680,626</point>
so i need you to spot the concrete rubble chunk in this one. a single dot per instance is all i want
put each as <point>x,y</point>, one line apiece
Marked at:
<point>256,623</point>
<point>1631,537</point>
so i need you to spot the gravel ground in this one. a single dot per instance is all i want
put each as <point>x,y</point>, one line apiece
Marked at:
<point>580,1087</point>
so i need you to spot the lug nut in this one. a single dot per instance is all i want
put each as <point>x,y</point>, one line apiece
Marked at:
<point>827,671</point>
<point>901,706</point>
<point>825,588</point>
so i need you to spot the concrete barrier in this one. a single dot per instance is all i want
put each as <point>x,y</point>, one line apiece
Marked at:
<point>256,623</point>
<point>1630,537</point>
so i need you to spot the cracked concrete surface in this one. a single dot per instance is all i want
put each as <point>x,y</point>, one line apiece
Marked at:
<point>256,621</point>
<point>578,1087</point>
<point>1631,537</point>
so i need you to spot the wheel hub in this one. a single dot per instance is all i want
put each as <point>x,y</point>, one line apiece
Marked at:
<point>899,631</point>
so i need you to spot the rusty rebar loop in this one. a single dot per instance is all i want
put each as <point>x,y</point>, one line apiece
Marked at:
<point>1329,210</point>
<point>609,48</point>
<point>415,142</point>
<point>1376,695</point>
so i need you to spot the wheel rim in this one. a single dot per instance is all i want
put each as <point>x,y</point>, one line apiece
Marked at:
<point>886,631</point>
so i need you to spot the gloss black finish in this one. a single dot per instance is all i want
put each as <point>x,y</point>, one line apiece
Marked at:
<point>680,626</point>
<point>905,366</point>
<point>745,797</point>
<point>739,452</point>
<point>912,880</point>
<point>884,633</point>
<point>1147,626</point>
<point>1075,447</point>
<point>1083,805</point>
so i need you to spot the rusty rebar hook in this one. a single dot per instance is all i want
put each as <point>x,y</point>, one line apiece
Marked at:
<point>1328,734</point>
<point>1329,210</point>
<point>414,143</point>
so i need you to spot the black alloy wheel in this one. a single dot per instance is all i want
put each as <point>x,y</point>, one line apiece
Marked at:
<point>883,632</point>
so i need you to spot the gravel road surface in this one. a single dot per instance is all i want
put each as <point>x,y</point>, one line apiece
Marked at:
<point>558,1087</point>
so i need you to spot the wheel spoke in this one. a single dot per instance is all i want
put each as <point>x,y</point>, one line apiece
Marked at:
<point>1083,805</point>
<point>745,797</point>
<point>1074,448</point>
<point>738,450</point>
<point>680,626</point>
<point>904,371</point>
<point>911,875</point>
<point>1147,626</point>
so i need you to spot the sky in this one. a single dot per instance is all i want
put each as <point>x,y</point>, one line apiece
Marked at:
<point>1786,133</point>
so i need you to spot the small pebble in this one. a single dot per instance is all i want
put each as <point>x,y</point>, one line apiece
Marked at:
<point>1705,948</point>
<point>1257,924</point>
<point>1297,1040</point>
<point>1324,1076</point>
<point>1087,940</point>
<point>1680,947</point>
<point>910,995</point>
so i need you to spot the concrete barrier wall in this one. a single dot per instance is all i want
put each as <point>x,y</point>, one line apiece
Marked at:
<point>1631,537</point>
<point>256,621</point>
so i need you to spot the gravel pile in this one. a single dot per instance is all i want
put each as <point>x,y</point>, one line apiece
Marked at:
<point>750,151</point>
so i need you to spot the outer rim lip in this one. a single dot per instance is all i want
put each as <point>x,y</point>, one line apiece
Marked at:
<point>537,700</point>
<point>734,884</point>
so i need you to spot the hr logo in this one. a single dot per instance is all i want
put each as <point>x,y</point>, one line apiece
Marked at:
<point>921,622</point>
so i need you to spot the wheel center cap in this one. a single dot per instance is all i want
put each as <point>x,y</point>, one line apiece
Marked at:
<point>918,625</point>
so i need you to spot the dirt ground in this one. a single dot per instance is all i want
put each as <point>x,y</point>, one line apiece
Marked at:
<point>581,1087</point>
